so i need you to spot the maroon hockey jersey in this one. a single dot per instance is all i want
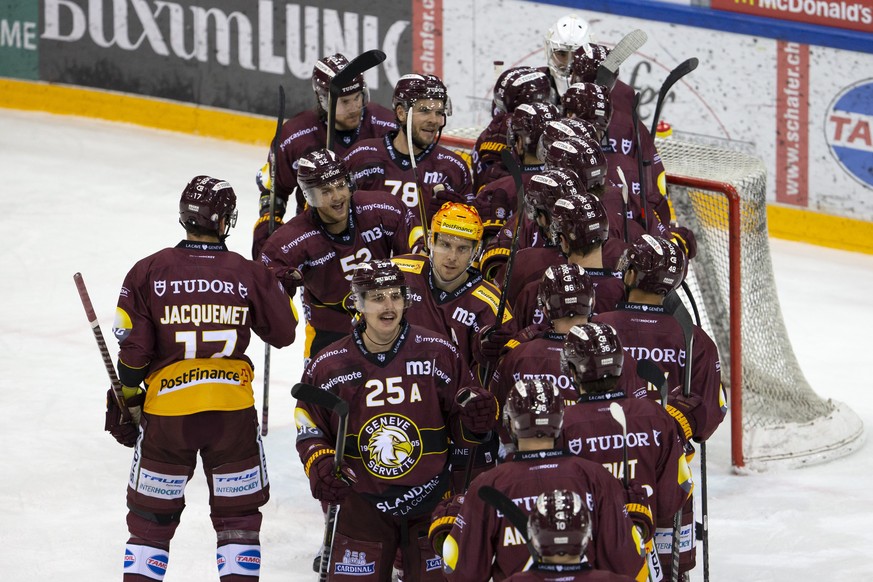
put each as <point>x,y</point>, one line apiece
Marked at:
<point>184,320</point>
<point>496,252</point>
<point>459,315</point>
<point>567,573</point>
<point>307,131</point>
<point>376,165</point>
<point>379,226</point>
<point>483,543</point>
<point>648,332</point>
<point>487,162</point>
<point>402,414</point>
<point>656,458</point>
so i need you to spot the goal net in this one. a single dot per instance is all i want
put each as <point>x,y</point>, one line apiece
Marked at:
<point>776,418</point>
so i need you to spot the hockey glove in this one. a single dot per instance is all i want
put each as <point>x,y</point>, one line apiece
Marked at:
<point>489,344</point>
<point>493,208</point>
<point>442,520</point>
<point>686,240</point>
<point>683,410</point>
<point>264,206</point>
<point>443,193</point>
<point>478,409</point>
<point>323,480</point>
<point>124,431</point>
<point>637,506</point>
<point>291,279</point>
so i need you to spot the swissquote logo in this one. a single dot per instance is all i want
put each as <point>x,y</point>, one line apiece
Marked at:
<point>849,130</point>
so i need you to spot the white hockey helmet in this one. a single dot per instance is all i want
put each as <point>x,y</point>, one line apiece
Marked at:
<point>564,37</point>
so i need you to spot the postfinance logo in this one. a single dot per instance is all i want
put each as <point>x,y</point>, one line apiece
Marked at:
<point>849,130</point>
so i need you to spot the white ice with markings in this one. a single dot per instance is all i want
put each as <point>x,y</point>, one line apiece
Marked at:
<point>90,196</point>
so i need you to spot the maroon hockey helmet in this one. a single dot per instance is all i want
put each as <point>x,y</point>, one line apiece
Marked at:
<point>507,76</point>
<point>204,202</point>
<point>584,67</point>
<point>660,264</point>
<point>580,219</point>
<point>590,102</point>
<point>559,524</point>
<point>527,123</point>
<point>413,87</point>
<point>325,70</point>
<point>560,129</point>
<point>318,168</point>
<point>545,188</point>
<point>534,409</point>
<point>375,275</point>
<point>565,291</point>
<point>582,155</point>
<point>591,352</point>
<point>528,87</point>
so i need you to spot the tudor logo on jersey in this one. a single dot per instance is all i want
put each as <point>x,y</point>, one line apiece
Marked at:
<point>390,445</point>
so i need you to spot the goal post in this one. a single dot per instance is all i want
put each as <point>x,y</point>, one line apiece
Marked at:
<point>777,419</point>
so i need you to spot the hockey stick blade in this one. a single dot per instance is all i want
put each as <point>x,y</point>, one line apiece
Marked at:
<point>617,413</point>
<point>360,64</point>
<point>627,46</point>
<point>680,71</point>
<point>323,398</point>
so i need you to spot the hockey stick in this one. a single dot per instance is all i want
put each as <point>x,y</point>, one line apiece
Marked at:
<point>627,46</point>
<point>274,155</point>
<point>680,71</point>
<point>510,511</point>
<point>330,401</point>
<point>358,65</point>
<point>422,214</point>
<point>641,165</point>
<point>704,504</point>
<point>101,344</point>
<point>617,413</point>
<point>624,192</point>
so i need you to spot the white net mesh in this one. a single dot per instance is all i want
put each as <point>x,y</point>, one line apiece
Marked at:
<point>784,421</point>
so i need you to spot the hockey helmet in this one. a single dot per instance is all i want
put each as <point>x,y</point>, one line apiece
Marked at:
<point>317,169</point>
<point>534,409</point>
<point>559,524</point>
<point>204,202</point>
<point>590,102</point>
<point>582,155</point>
<point>659,264</point>
<point>498,105</point>
<point>325,70</point>
<point>585,65</point>
<point>413,87</point>
<point>532,86</point>
<point>545,188</point>
<point>376,275</point>
<point>565,291</point>
<point>591,352</point>
<point>457,219</point>
<point>567,35</point>
<point>581,220</point>
<point>527,123</point>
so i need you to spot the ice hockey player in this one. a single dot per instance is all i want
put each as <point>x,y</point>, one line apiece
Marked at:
<point>589,102</point>
<point>579,226</point>
<point>482,545</point>
<point>408,392</point>
<point>594,359</point>
<point>568,35</point>
<point>523,85</point>
<point>565,295</point>
<point>450,297</point>
<point>653,268</point>
<point>559,528</point>
<point>357,119</point>
<point>319,249</point>
<point>421,106</point>
<point>497,200</point>
<point>176,308</point>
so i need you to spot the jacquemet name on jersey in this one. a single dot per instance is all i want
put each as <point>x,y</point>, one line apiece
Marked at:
<point>205,313</point>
